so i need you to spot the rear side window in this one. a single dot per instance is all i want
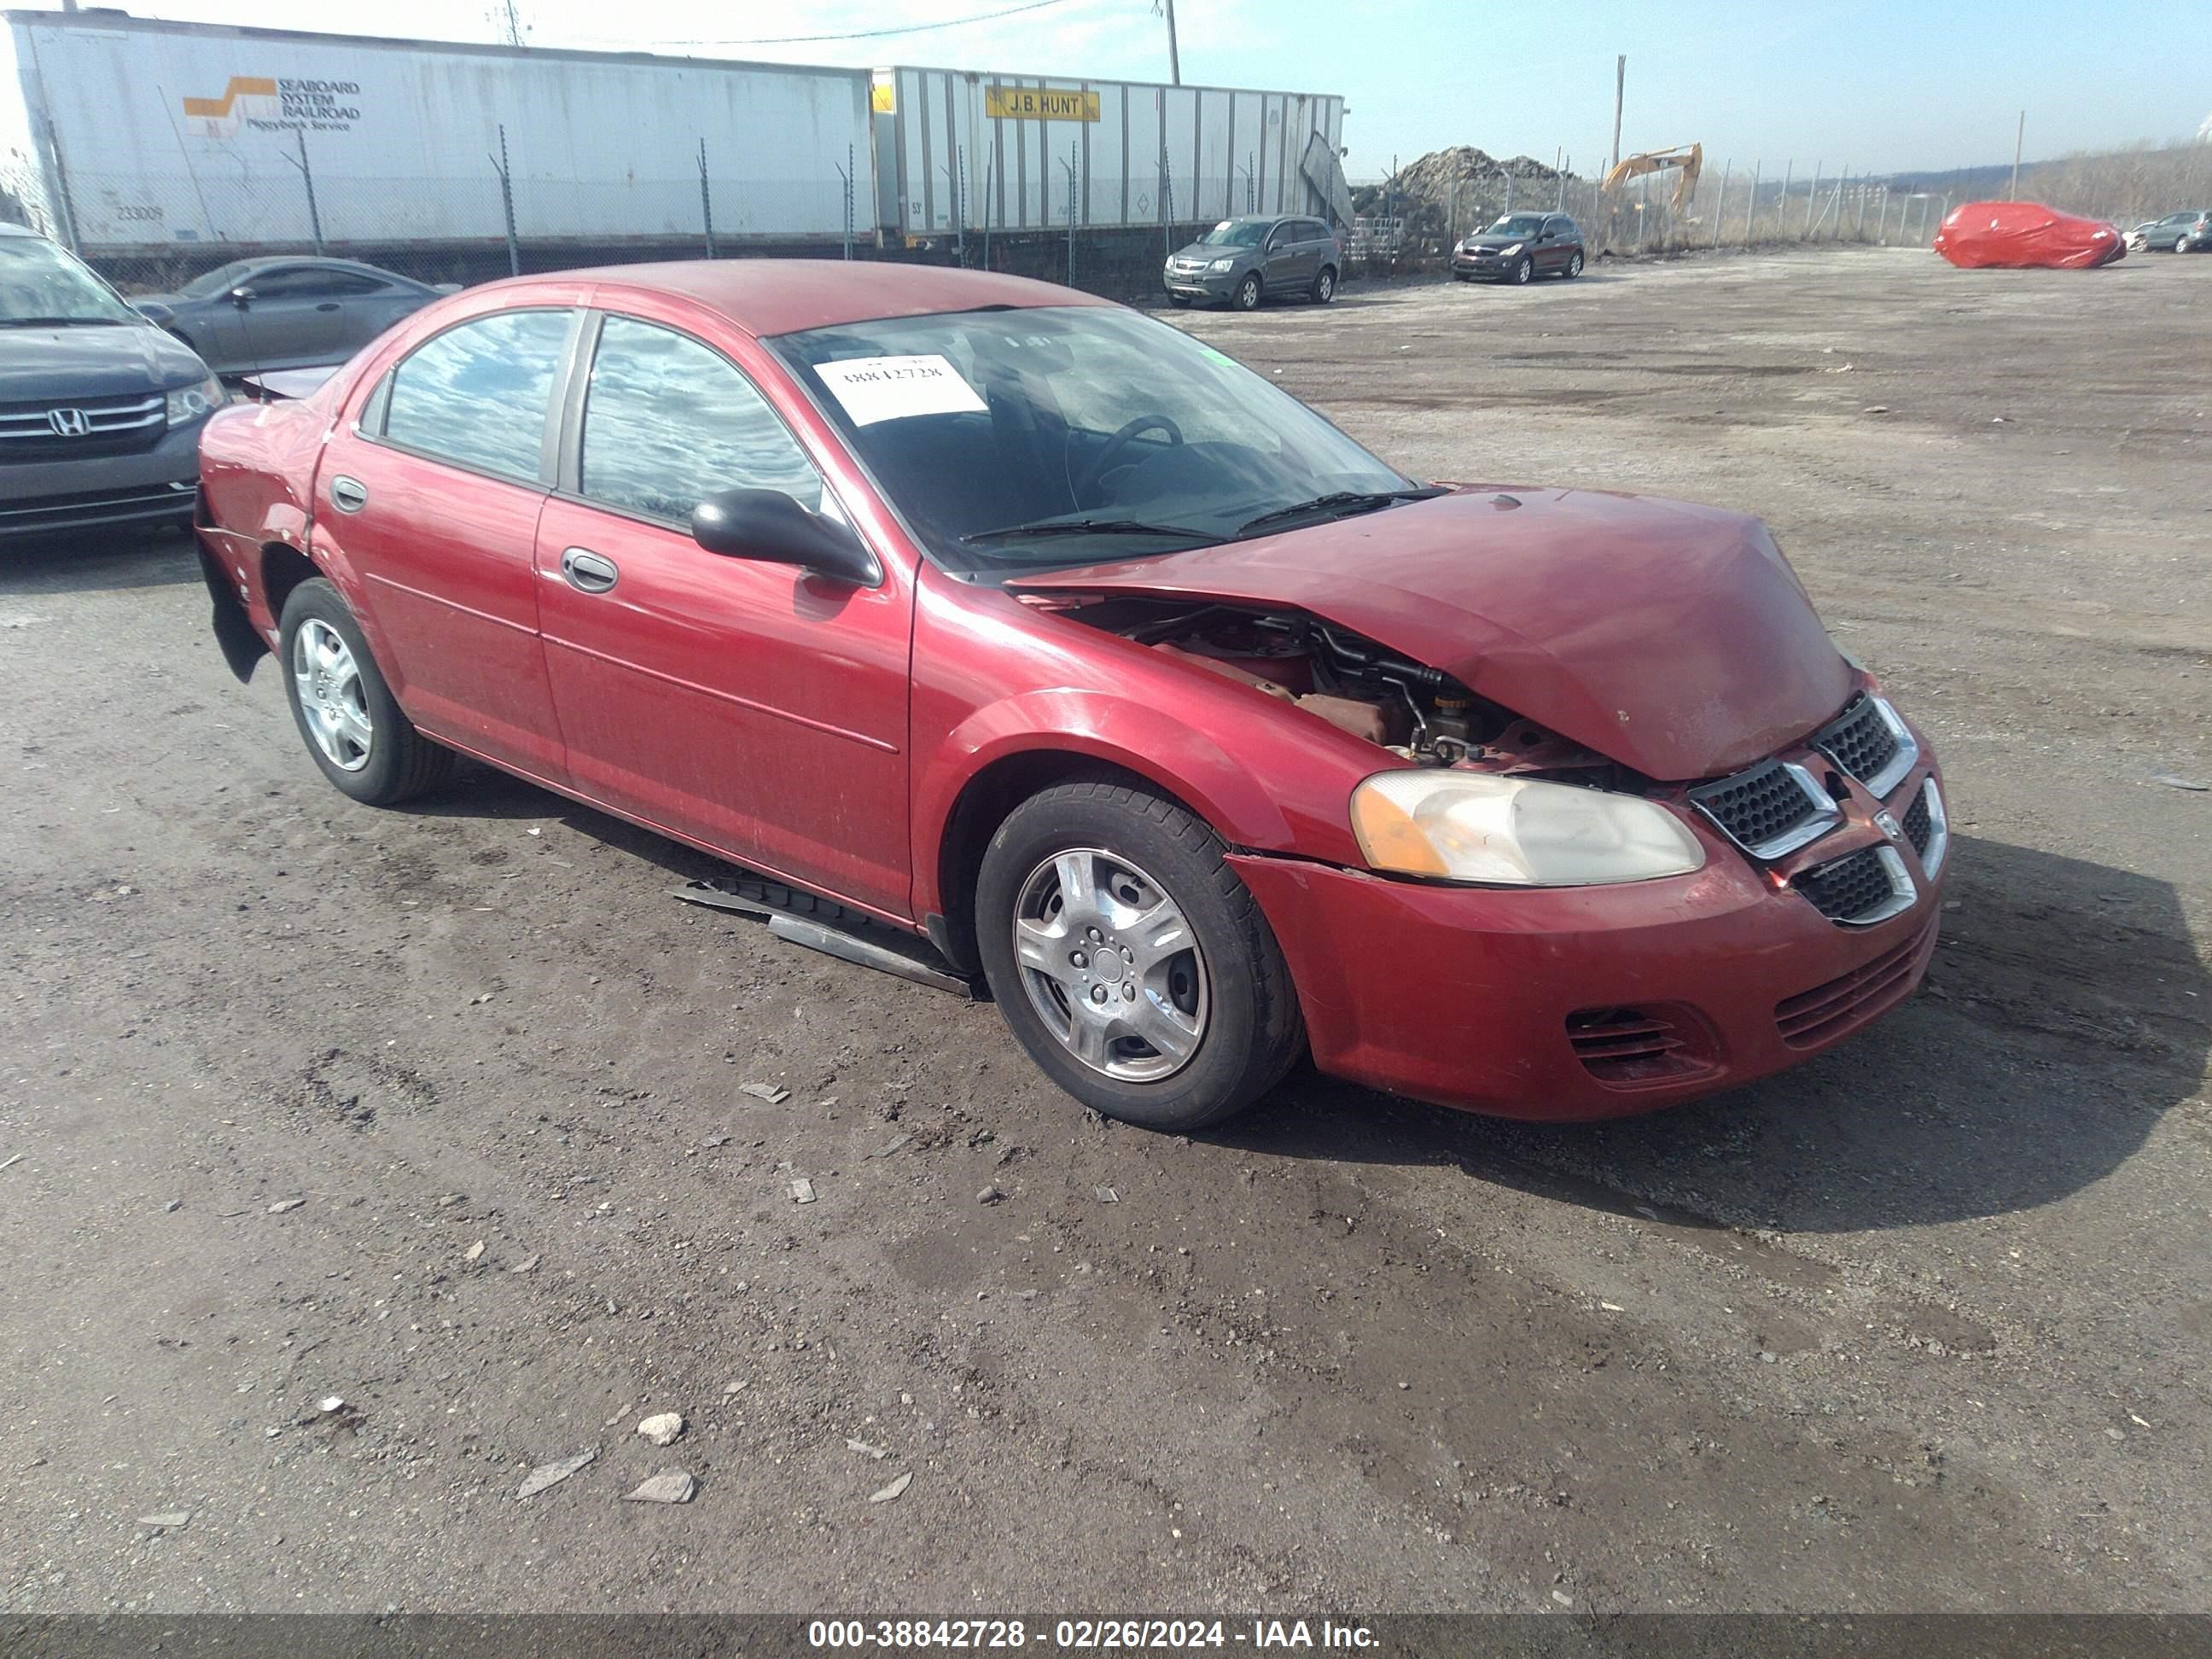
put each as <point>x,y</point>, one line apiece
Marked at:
<point>477,394</point>
<point>669,422</point>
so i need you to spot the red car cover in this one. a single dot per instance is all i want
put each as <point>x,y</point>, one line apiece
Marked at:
<point>2019,234</point>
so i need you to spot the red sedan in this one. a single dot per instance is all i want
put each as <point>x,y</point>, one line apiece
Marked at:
<point>1034,627</point>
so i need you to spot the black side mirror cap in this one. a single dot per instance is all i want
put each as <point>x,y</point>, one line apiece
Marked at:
<point>770,526</point>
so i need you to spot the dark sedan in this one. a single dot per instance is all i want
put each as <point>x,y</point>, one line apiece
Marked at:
<point>1521,247</point>
<point>286,313</point>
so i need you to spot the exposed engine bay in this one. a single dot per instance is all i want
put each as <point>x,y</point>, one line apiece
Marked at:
<point>1357,685</point>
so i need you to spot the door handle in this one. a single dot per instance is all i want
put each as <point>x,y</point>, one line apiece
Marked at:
<point>347,494</point>
<point>588,572</point>
<point>328,305</point>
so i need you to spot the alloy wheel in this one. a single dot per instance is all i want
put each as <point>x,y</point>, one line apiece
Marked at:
<point>1111,966</point>
<point>327,681</point>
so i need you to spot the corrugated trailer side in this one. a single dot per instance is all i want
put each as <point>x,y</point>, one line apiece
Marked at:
<point>187,134</point>
<point>24,167</point>
<point>963,149</point>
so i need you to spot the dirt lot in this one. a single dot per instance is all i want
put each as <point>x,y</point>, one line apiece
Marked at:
<point>1926,1324</point>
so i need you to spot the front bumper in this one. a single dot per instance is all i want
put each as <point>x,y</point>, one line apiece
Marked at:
<point>1492,266</point>
<point>1521,1003</point>
<point>1200,285</point>
<point>51,497</point>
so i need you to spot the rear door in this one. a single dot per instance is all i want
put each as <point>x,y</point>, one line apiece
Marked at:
<point>746,705</point>
<point>431,491</point>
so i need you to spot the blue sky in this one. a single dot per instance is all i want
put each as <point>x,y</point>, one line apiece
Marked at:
<point>1873,85</point>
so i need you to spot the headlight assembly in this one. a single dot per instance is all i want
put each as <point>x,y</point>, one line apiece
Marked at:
<point>188,404</point>
<point>1509,252</point>
<point>1222,264</point>
<point>1516,832</point>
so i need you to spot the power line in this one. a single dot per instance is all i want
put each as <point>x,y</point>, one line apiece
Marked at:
<point>873,34</point>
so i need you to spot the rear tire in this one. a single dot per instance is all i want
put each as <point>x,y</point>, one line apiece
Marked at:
<point>346,713</point>
<point>1216,980</point>
<point>1247,296</point>
<point>1574,266</point>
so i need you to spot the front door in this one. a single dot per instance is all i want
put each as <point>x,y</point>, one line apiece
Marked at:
<point>1288,267</point>
<point>293,318</point>
<point>746,705</point>
<point>431,493</point>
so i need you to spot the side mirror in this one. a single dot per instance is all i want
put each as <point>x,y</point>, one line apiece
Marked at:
<point>154,311</point>
<point>769,525</point>
<point>242,297</point>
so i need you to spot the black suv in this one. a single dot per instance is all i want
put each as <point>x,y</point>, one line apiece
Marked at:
<point>100,410</point>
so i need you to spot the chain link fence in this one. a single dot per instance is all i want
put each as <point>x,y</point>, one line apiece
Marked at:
<point>1731,207</point>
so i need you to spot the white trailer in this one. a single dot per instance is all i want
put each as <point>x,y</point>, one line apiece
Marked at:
<point>958,151</point>
<point>130,135</point>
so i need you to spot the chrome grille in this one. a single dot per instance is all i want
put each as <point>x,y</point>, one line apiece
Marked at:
<point>1926,828</point>
<point>1771,809</point>
<point>88,426</point>
<point>1868,741</point>
<point>1860,889</point>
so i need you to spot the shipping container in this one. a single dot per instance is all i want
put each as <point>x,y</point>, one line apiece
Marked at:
<point>127,134</point>
<point>959,151</point>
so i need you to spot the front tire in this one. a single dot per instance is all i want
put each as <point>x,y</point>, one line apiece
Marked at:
<point>1324,285</point>
<point>346,713</point>
<point>1247,296</point>
<point>1180,301</point>
<point>1129,960</point>
<point>1525,271</point>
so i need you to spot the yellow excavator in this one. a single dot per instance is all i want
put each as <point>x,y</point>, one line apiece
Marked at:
<point>1690,161</point>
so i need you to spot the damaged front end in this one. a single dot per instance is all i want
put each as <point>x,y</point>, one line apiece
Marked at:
<point>1416,712</point>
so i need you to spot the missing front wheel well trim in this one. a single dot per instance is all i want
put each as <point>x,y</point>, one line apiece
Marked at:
<point>983,805</point>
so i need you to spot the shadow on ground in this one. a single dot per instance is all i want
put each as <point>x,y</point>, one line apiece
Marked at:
<point>2066,1012</point>
<point>95,562</point>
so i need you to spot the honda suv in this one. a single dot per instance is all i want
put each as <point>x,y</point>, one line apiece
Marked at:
<point>100,410</point>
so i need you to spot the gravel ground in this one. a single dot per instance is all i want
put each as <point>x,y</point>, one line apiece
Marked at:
<point>441,1111</point>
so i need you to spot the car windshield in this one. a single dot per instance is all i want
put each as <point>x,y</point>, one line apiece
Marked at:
<point>1063,435</point>
<point>1236,233</point>
<point>221,280</point>
<point>42,285</point>
<point>1518,224</point>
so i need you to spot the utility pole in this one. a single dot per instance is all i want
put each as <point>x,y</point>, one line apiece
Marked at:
<point>507,19</point>
<point>2012,194</point>
<point>1620,87</point>
<point>1175,58</point>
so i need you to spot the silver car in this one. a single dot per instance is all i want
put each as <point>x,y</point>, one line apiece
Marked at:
<point>1243,261</point>
<point>286,312</point>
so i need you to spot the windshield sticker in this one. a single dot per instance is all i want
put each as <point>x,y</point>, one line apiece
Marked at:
<point>874,389</point>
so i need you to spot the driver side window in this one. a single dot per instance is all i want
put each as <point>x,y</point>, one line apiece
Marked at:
<point>669,422</point>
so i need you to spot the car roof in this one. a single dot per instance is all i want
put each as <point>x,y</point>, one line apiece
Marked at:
<point>767,297</point>
<point>9,228</point>
<point>313,261</point>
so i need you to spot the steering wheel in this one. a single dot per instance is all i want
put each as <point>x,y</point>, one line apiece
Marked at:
<point>1121,441</point>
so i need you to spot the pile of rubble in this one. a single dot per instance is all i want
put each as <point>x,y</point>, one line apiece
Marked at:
<point>1422,193</point>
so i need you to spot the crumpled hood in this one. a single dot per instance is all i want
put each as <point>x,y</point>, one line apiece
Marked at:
<point>62,364</point>
<point>1670,637</point>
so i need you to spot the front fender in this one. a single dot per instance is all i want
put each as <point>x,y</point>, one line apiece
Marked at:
<point>1269,797</point>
